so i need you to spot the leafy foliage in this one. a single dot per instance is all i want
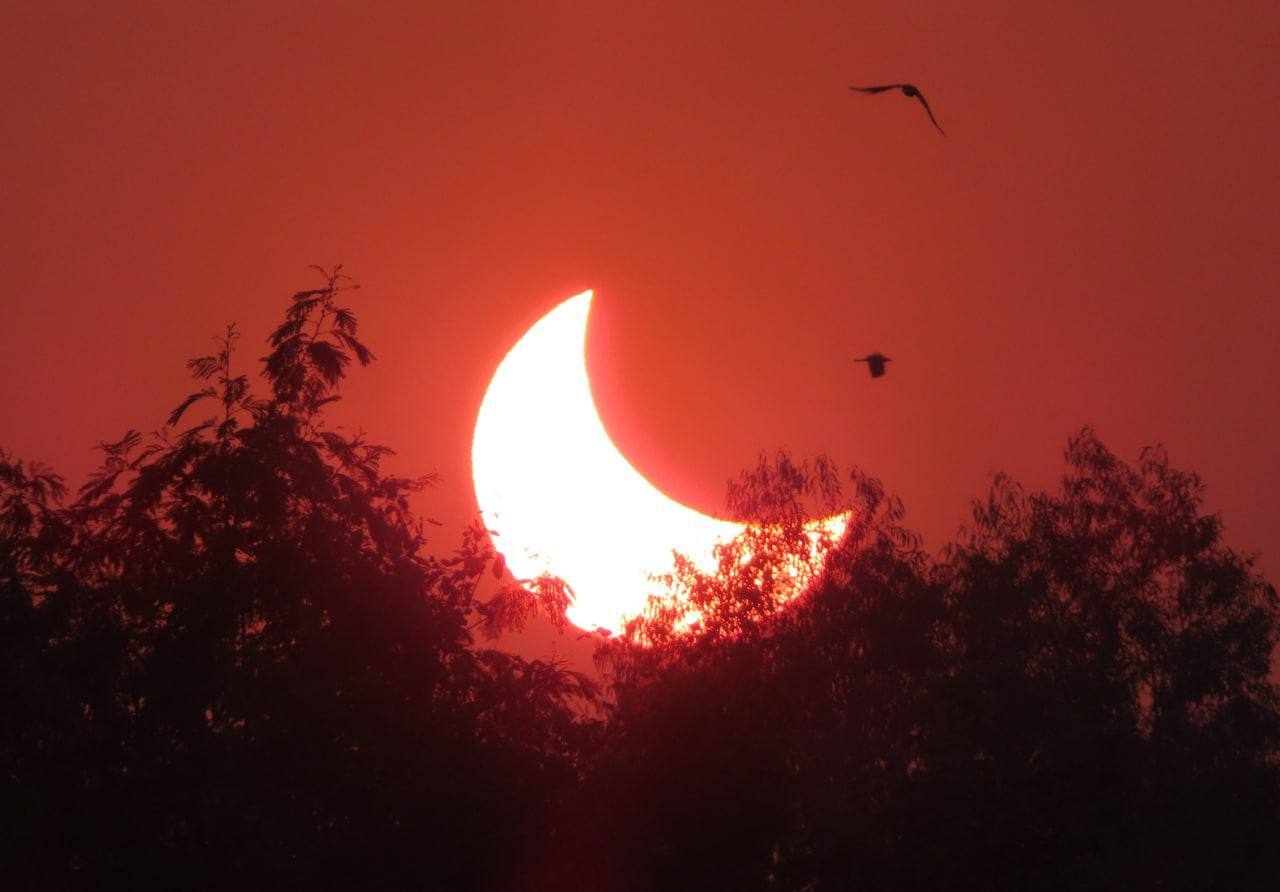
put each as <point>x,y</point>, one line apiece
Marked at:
<point>1074,695</point>
<point>235,630</point>
<point>757,571</point>
<point>231,658</point>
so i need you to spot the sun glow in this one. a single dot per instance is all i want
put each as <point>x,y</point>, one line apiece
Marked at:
<point>560,496</point>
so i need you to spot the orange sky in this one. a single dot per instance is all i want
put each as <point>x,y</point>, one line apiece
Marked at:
<point>1094,242</point>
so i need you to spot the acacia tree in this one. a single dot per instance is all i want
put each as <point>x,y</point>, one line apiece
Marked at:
<point>266,675</point>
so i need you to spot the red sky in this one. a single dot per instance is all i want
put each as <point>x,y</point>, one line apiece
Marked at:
<point>1094,242</point>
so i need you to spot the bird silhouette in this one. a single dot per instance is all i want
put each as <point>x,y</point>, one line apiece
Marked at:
<point>875,363</point>
<point>907,90</point>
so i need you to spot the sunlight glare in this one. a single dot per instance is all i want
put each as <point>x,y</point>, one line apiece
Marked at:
<point>560,496</point>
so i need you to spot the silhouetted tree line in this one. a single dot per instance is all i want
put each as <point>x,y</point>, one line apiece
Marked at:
<point>231,659</point>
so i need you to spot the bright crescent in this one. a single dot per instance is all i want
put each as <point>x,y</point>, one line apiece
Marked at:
<point>560,496</point>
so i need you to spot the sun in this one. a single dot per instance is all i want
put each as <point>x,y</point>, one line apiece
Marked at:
<point>559,495</point>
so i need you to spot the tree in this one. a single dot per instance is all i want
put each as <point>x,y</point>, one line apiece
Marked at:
<point>1075,694</point>
<point>247,667</point>
<point>723,744</point>
<point>1108,697</point>
<point>231,659</point>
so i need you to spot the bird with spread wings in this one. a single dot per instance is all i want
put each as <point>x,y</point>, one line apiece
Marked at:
<point>909,90</point>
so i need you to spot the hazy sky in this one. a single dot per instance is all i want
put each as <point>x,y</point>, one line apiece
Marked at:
<point>1094,242</point>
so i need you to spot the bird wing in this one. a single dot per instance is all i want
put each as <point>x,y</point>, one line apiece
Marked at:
<point>879,89</point>
<point>925,103</point>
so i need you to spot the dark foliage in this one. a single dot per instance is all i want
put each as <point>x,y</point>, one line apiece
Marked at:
<point>1075,695</point>
<point>230,660</point>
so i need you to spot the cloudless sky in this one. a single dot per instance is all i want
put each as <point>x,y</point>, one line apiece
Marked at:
<point>1094,242</point>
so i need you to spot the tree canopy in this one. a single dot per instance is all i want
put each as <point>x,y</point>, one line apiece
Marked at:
<point>231,657</point>
<point>1075,694</point>
<point>235,656</point>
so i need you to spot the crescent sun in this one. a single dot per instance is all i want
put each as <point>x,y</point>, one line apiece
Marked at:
<point>559,495</point>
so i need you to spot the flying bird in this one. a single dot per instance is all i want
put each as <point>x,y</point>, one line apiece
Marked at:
<point>875,363</point>
<point>907,90</point>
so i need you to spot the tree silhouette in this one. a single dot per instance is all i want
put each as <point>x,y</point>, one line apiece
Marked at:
<point>231,658</point>
<point>234,661</point>
<point>1107,699</point>
<point>1074,695</point>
